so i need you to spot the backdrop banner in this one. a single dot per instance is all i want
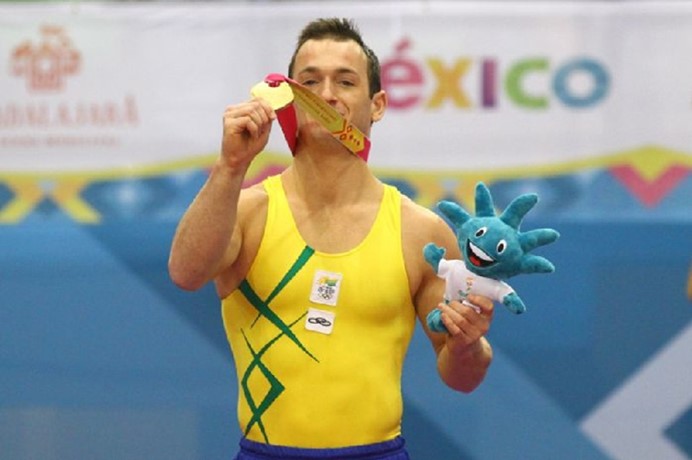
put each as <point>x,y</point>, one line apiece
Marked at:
<point>471,86</point>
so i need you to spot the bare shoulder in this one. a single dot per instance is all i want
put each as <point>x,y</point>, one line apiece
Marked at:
<point>252,216</point>
<point>421,225</point>
<point>253,196</point>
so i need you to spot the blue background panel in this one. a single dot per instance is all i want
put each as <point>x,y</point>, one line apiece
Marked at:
<point>103,357</point>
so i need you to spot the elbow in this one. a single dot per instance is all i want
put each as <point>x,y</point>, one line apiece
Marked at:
<point>466,385</point>
<point>466,374</point>
<point>184,278</point>
<point>185,284</point>
<point>466,388</point>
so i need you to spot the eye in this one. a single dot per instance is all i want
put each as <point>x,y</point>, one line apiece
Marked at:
<point>346,83</point>
<point>501,246</point>
<point>481,231</point>
<point>309,82</point>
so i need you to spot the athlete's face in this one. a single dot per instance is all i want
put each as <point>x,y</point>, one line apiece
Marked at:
<point>337,71</point>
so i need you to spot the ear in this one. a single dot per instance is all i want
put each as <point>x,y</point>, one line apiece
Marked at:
<point>378,105</point>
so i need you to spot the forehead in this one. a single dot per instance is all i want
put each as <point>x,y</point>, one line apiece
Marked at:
<point>329,54</point>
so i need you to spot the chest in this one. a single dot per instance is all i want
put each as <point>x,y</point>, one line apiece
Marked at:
<point>335,229</point>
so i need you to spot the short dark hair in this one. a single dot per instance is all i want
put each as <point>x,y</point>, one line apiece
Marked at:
<point>340,30</point>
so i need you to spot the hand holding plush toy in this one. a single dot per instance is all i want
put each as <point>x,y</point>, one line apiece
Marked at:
<point>493,249</point>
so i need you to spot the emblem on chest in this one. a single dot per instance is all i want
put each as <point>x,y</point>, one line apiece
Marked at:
<point>325,290</point>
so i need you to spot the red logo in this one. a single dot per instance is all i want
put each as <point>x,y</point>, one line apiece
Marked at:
<point>46,65</point>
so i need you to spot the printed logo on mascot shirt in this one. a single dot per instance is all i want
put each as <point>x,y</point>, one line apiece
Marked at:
<point>47,65</point>
<point>577,83</point>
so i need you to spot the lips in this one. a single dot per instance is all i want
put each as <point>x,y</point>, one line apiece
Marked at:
<point>477,256</point>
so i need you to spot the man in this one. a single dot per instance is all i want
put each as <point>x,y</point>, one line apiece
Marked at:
<point>321,273</point>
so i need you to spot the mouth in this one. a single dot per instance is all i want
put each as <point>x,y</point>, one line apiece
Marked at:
<point>477,257</point>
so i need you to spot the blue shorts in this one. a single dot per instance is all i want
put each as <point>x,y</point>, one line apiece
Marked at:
<point>387,450</point>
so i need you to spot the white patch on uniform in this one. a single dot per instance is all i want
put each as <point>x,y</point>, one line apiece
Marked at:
<point>325,287</point>
<point>320,321</point>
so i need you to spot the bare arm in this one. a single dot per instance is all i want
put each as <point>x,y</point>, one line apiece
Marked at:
<point>464,354</point>
<point>209,236</point>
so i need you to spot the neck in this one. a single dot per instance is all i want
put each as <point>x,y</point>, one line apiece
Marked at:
<point>331,177</point>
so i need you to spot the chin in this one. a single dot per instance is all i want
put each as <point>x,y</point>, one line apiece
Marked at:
<point>314,130</point>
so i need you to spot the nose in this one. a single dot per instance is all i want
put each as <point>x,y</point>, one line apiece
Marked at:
<point>327,91</point>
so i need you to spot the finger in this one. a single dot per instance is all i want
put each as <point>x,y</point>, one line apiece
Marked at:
<point>254,117</point>
<point>452,328</point>
<point>475,307</point>
<point>260,108</point>
<point>246,123</point>
<point>266,108</point>
<point>251,127</point>
<point>260,111</point>
<point>475,316</point>
<point>458,336</point>
<point>485,304</point>
<point>473,324</point>
<point>259,119</point>
<point>463,319</point>
<point>464,306</point>
<point>452,310</point>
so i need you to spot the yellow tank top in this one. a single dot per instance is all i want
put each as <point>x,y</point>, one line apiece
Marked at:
<point>319,339</point>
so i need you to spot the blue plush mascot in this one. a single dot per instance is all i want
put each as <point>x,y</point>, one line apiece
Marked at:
<point>493,249</point>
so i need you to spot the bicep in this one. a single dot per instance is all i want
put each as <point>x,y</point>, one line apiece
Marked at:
<point>242,247</point>
<point>428,297</point>
<point>430,290</point>
<point>233,249</point>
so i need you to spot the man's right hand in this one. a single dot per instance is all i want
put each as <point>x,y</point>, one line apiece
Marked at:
<point>246,129</point>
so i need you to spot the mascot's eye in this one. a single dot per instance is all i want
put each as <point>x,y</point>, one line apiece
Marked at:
<point>501,246</point>
<point>481,231</point>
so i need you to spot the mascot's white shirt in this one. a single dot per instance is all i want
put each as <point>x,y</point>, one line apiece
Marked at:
<point>461,282</point>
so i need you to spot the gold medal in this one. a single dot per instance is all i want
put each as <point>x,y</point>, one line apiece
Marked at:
<point>277,94</point>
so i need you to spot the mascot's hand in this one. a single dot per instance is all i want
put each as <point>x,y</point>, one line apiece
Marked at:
<point>434,320</point>
<point>514,304</point>
<point>433,254</point>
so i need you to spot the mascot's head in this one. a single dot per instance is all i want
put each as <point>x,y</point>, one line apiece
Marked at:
<point>493,246</point>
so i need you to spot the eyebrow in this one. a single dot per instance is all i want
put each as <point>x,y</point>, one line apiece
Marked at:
<point>340,70</point>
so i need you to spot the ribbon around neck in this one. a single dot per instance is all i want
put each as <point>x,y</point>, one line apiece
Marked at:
<point>283,94</point>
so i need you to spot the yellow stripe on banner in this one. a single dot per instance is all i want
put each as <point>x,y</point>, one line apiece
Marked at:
<point>466,190</point>
<point>67,196</point>
<point>65,188</point>
<point>28,188</point>
<point>27,194</point>
<point>427,188</point>
<point>652,162</point>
